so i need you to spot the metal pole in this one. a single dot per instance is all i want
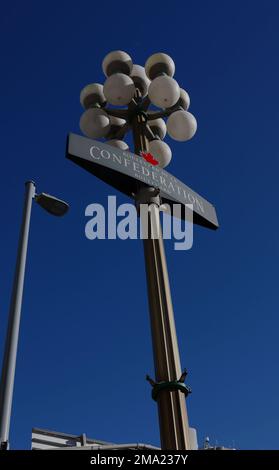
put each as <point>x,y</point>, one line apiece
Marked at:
<point>173,419</point>
<point>9,361</point>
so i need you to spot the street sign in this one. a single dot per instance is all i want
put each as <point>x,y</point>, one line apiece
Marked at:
<point>124,170</point>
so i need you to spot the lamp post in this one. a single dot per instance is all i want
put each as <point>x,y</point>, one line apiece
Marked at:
<point>55,207</point>
<point>138,88</point>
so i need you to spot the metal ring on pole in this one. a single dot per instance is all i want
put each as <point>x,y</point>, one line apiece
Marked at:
<point>172,386</point>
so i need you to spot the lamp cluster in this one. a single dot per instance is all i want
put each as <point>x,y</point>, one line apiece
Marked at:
<point>136,88</point>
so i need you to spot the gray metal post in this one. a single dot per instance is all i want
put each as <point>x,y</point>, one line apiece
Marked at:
<point>173,419</point>
<point>9,361</point>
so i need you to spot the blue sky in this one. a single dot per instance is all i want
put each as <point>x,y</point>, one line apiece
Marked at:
<point>85,343</point>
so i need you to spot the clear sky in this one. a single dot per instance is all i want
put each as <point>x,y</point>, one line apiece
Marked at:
<point>85,343</point>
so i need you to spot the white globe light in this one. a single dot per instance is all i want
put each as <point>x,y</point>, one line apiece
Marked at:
<point>164,91</point>
<point>94,123</point>
<point>161,152</point>
<point>91,95</point>
<point>116,121</point>
<point>158,127</point>
<point>120,144</point>
<point>184,99</point>
<point>181,125</point>
<point>159,63</point>
<point>117,62</point>
<point>115,125</point>
<point>140,79</point>
<point>119,89</point>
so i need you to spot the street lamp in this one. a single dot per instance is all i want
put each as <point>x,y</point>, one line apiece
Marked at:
<point>55,207</point>
<point>138,88</point>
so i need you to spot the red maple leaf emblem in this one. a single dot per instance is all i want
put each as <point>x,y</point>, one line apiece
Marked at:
<point>149,158</point>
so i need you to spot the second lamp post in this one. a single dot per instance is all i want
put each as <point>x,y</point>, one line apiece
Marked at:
<point>55,207</point>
